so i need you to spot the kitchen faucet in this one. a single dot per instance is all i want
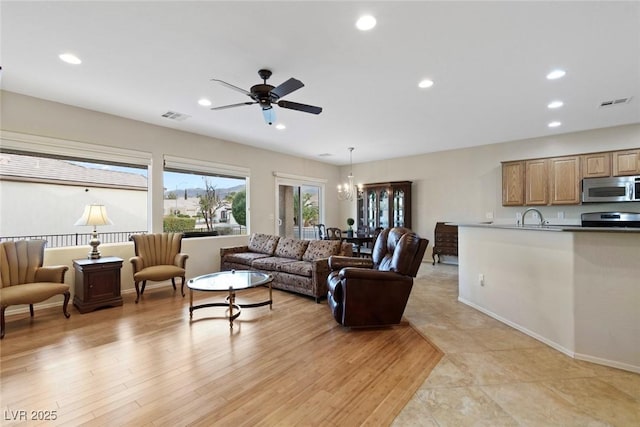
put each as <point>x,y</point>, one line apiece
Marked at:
<point>533,210</point>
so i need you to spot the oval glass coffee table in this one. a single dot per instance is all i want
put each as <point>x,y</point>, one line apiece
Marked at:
<point>230,282</point>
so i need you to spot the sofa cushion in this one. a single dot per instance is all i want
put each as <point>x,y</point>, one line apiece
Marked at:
<point>263,243</point>
<point>244,258</point>
<point>321,249</point>
<point>291,248</point>
<point>300,268</point>
<point>30,293</point>
<point>270,263</point>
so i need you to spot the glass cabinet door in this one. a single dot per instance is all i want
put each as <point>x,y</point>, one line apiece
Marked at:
<point>398,208</point>
<point>385,204</point>
<point>384,209</point>
<point>372,209</point>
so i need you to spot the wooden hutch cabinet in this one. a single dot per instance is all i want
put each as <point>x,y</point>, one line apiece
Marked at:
<point>385,204</point>
<point>446,241</point>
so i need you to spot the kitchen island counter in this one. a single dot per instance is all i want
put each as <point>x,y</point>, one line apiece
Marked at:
<point>576,289</point>
<point>555,227</point>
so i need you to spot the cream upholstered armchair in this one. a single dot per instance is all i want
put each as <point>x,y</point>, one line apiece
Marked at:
<point>157,258</point>
<point>25,280</point>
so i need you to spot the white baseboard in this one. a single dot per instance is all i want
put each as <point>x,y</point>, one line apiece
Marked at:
<point>521,328</point>
<point>554,345</point>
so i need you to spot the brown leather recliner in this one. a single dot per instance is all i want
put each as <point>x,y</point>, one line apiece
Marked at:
<point>158,258</point>
<point>24,280</point>
<point>374,292</point>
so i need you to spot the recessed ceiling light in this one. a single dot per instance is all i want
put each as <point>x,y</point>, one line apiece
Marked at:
<point>425,83</point>
<point>555,104</point>
<point>70,58</point>
<point>365,23</point>
<point>204,102</point>
<point>280,126</point>
<point>554,124</point>
<point>556,74</point>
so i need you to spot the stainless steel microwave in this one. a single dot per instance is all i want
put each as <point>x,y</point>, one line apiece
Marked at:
<point>615,189</point>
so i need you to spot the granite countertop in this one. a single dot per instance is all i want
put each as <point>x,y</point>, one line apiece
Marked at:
<point>551,227</point>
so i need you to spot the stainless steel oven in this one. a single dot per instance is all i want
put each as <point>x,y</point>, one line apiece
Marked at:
<point>611,219</point>
<point>614,189</point>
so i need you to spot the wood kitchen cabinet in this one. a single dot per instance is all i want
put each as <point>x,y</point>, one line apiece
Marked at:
<point>596,165</point>
<point>385,205</point>
<point>97,283</point>
<point>513,183</point>
<point>564,180</point>
<point>556,181</point>
<point>536,181</point>
<point>626,162</point>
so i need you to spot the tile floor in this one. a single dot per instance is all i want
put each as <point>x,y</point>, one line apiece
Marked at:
<point>494,375</point>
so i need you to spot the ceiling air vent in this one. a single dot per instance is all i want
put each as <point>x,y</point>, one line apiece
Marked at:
<point>613,102</point>
<point>172,115</point>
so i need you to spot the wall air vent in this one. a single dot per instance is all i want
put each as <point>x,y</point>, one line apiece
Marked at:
<point>618,101</point>
<point>172,115</point>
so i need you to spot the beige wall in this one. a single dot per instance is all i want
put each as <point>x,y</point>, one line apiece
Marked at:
<point>459,185</point>
<point>575,291</point>
<point>34,116</point>
<point>464,185</point>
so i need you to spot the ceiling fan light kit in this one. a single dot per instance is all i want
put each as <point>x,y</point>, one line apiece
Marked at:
<point>266,95</point>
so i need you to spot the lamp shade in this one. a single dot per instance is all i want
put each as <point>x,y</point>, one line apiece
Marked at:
<point>94,215</point>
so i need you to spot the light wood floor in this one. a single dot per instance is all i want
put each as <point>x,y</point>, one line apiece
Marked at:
<point>146,364</point>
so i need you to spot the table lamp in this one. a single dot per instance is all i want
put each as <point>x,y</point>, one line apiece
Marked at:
<point>94,215</point>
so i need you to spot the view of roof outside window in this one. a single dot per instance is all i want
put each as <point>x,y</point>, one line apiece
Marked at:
<point>47,196</point>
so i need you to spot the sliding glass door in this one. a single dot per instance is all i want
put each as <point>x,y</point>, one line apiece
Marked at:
<point>299,209</point>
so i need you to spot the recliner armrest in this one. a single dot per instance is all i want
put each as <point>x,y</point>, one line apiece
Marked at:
<point>337,262</point>
<point>375,275</point>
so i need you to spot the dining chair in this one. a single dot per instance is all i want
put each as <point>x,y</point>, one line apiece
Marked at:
<point>334,233</point>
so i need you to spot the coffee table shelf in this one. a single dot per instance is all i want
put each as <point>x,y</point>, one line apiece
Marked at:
<point>230,282</point>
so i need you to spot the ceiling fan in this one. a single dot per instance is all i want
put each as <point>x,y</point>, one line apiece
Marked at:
<point>266,95</point>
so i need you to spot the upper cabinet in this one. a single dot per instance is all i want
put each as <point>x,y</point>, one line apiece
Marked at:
<point>626,162</point>
<point>540,182</point>
<point>596,165</point>
<point>385,205</point>
<point>513,183</point>
<point>536,182</point>
<point>564,180</point>
<point>556,180</point>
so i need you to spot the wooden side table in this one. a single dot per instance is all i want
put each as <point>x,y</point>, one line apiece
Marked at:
<point>97,283</point>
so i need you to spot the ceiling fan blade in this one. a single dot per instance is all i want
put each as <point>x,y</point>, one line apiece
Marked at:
<point>269,115</point>
<point>300,107</point>
<point>230,86</point>
<point>224,107</point>
<point>287,87</point>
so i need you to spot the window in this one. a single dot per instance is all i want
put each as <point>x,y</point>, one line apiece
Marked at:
<point>40,202</point>
<point>43,196</point>
<point>204,197</point>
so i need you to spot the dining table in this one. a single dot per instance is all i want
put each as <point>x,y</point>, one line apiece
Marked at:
<point>357,241</point>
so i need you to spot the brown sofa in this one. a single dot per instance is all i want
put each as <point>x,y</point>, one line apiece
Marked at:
<point>299,266</point>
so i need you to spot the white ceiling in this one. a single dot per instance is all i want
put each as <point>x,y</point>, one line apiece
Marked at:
<point>488,61</point>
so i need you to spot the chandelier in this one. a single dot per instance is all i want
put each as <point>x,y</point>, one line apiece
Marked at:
<point>348,190</point>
